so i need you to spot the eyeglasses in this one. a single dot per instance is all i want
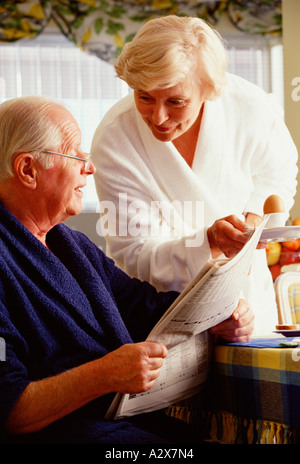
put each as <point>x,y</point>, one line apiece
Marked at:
<point>87,160</point>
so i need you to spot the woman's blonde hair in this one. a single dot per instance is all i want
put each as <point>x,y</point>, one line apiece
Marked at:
<point>26,126</point>
<point>167,50</point>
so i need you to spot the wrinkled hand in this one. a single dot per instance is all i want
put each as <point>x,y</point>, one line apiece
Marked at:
<point>253,220</point>
<point>239,327</point>
<point>133,368</point>
<point>227,236</point>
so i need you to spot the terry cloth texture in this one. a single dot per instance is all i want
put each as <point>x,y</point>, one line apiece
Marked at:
<point>63,308</point>
<point>238,163</point>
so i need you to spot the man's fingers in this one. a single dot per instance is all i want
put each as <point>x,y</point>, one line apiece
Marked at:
<point>155,363</point>
<point>156,350</point>
<point>239,327</point>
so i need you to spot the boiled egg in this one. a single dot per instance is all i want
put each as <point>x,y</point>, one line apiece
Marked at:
<point>273,204</point>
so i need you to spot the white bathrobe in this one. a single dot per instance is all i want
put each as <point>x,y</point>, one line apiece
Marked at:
<point>155,209</point>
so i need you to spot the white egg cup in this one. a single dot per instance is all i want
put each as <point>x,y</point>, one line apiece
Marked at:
<point>275,220</point>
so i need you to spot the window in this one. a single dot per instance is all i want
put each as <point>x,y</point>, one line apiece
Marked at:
<point>259,60</point>
<point>51,65</point>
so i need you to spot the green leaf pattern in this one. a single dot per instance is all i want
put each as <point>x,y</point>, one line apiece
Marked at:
<point>102,27</point>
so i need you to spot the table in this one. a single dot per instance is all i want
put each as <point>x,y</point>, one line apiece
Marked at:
<point>252,396</point>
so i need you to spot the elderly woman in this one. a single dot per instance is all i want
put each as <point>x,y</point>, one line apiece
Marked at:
<point>190,144</point>
<point>68,316</point>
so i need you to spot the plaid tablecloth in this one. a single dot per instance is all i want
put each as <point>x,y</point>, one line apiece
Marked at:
<point>253,394</point>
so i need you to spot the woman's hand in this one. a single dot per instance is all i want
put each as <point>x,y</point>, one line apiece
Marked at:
<point>227,236</point>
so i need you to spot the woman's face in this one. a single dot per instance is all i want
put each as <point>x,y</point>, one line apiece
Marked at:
<point>171,112</point>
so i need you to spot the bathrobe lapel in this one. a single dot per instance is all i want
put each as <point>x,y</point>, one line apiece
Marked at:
<point>94,292</point>
<point>176,179</point>
<point>73,286</point>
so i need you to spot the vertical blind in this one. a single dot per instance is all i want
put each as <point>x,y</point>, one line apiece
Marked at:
<point>50,65</point>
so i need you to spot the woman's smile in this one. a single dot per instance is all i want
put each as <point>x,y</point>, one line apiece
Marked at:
<point>170,112</point>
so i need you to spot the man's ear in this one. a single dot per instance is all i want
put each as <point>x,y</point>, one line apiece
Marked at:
<point>25,169</point>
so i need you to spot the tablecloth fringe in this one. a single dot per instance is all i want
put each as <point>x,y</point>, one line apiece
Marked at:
<point>225,428</point>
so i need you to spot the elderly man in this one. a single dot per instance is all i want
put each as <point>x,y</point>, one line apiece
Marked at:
<point>73,323</point>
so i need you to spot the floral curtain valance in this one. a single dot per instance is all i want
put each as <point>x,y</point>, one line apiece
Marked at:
<point>103,26</point>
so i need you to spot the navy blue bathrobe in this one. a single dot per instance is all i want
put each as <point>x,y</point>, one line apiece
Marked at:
<point>62,308</point>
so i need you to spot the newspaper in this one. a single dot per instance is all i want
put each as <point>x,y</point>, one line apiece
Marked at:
<point>209,299</point>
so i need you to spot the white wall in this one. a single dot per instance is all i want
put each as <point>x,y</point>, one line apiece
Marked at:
<point>291,53</point>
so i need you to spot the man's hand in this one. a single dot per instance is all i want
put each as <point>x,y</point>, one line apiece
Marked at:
<point>133,368</point>
<point>239,327</point>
